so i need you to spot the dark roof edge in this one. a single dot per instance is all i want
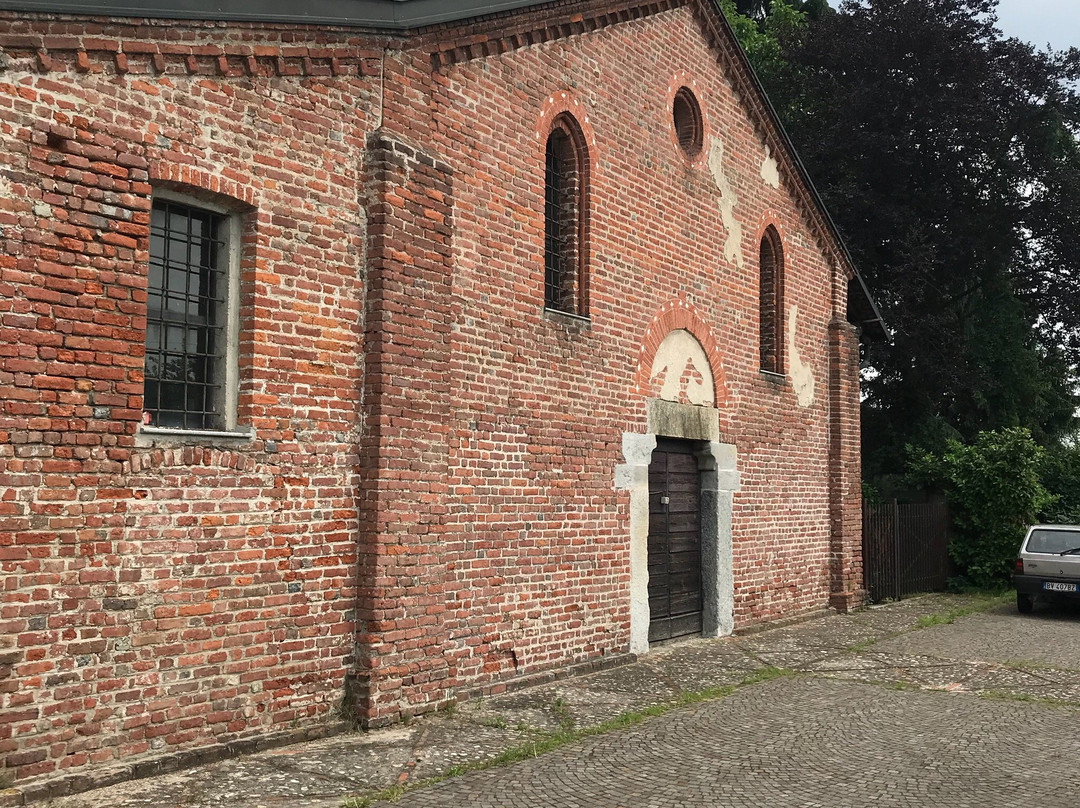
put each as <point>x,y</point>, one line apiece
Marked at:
<point>394,15</point>
<point>875,321</point>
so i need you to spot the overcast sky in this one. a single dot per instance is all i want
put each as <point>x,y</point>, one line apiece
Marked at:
<point>1041,21</point>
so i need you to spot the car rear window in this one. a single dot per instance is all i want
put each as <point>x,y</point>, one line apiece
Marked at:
<point>1053,541</point>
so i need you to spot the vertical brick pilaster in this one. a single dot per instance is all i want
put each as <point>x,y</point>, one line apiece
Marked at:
<point>401,664</point>
<point>845,472</point>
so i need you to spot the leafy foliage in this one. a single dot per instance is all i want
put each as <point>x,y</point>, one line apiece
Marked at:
<point>948,156</point>
<point>994,491</point>
<point>762,28</point>
<point>1061,476</point>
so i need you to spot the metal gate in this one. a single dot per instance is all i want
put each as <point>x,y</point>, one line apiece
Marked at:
<point>675,599</point>
<point>905,549</point>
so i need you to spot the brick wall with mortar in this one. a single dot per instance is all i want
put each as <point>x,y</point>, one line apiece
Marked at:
<point>162,596</point>
<point>456,488</point>
<point>402,606</point>
<point>540,402</point>
<point>845,483</point>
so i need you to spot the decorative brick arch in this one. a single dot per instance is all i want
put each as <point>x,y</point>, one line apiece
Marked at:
<point>564,102</point>
<point>673,315</point>
<point>770,218</point>
<point>185,176</point>
<point>684,78</point>
<point>184,457</point>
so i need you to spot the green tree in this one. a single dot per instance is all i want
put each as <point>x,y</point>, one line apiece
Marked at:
<point>1061,477</point>
<point>994,491</point>
<point>947,154</point>
<point>765,28</point>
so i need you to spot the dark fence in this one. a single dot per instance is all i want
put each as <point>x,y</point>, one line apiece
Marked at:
<point>905,549</point>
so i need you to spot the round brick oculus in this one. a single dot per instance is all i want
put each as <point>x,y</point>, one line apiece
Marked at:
<point>686,115</point>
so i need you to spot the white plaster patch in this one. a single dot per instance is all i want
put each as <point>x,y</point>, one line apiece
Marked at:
<point>770,172</point>
<point>727,203</point>
<point>8,150</point>
<point>681,362</point>
<point>802,376</point>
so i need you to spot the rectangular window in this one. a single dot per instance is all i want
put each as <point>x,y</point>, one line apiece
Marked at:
<point>190,319</point>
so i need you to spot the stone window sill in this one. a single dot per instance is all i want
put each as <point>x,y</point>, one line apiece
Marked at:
<point>568,317</point>
<point>153,435</point>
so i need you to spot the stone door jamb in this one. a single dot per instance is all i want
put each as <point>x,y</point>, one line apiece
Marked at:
<point>719,482</point>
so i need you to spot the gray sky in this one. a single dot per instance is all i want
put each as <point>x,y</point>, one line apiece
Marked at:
<point>1041,21</point>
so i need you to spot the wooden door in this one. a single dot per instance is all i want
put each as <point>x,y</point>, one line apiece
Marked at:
<point>674,542</point>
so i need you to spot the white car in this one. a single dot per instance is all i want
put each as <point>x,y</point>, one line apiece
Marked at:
<point>1048,565</point>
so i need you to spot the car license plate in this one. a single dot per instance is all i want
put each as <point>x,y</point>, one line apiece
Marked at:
<point>1054,586</point>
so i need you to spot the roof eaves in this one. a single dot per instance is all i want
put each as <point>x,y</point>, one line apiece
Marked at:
<point>394,15</point>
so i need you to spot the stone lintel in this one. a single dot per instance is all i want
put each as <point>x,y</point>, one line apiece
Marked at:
<point>673,420</point>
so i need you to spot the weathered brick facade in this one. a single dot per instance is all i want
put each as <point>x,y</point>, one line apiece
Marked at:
<point>422,497</point>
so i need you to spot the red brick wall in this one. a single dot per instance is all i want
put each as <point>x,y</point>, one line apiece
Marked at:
<point>541,403</point>
<point>428,503</point>
<point>402,606</point>
<point>844,477</point>
<point>160,597</point>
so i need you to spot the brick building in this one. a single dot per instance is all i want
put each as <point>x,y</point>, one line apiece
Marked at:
<point>358,360</point>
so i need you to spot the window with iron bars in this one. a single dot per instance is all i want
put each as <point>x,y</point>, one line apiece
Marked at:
<point>187,318</point>
<point>564,226</point>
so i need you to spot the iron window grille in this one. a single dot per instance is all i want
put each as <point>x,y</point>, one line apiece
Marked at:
<point>770,300</point>
<point>565,178</point>
<point>186,318</point>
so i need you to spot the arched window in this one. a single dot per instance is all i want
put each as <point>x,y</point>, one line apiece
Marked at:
<point>770,300</point>
<point>565,218</point>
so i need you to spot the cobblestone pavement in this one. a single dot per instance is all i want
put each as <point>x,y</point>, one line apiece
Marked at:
<point>883,707</point>
<point>801,742</point>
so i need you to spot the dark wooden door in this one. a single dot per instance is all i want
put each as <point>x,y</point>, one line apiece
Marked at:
<point>674,542</point>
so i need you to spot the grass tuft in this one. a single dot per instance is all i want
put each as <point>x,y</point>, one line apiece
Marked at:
<point>493,721</point>
<point>1008,695</point>
<point>863,645</point>
<point>982,603</point>
<point>562,714</point>
<point>449,708</point>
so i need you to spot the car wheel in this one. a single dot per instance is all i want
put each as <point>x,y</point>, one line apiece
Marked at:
<point>1024,603</point>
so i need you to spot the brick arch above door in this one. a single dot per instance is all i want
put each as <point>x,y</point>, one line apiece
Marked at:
<point>675,315</point>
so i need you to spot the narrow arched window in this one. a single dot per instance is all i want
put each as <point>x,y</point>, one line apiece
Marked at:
<point>770,299</point>
<point>565,186</point>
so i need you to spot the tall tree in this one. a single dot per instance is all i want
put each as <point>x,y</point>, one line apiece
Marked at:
<point>947,154</point>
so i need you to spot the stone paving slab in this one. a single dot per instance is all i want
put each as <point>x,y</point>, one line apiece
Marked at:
<point>877,650</point>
